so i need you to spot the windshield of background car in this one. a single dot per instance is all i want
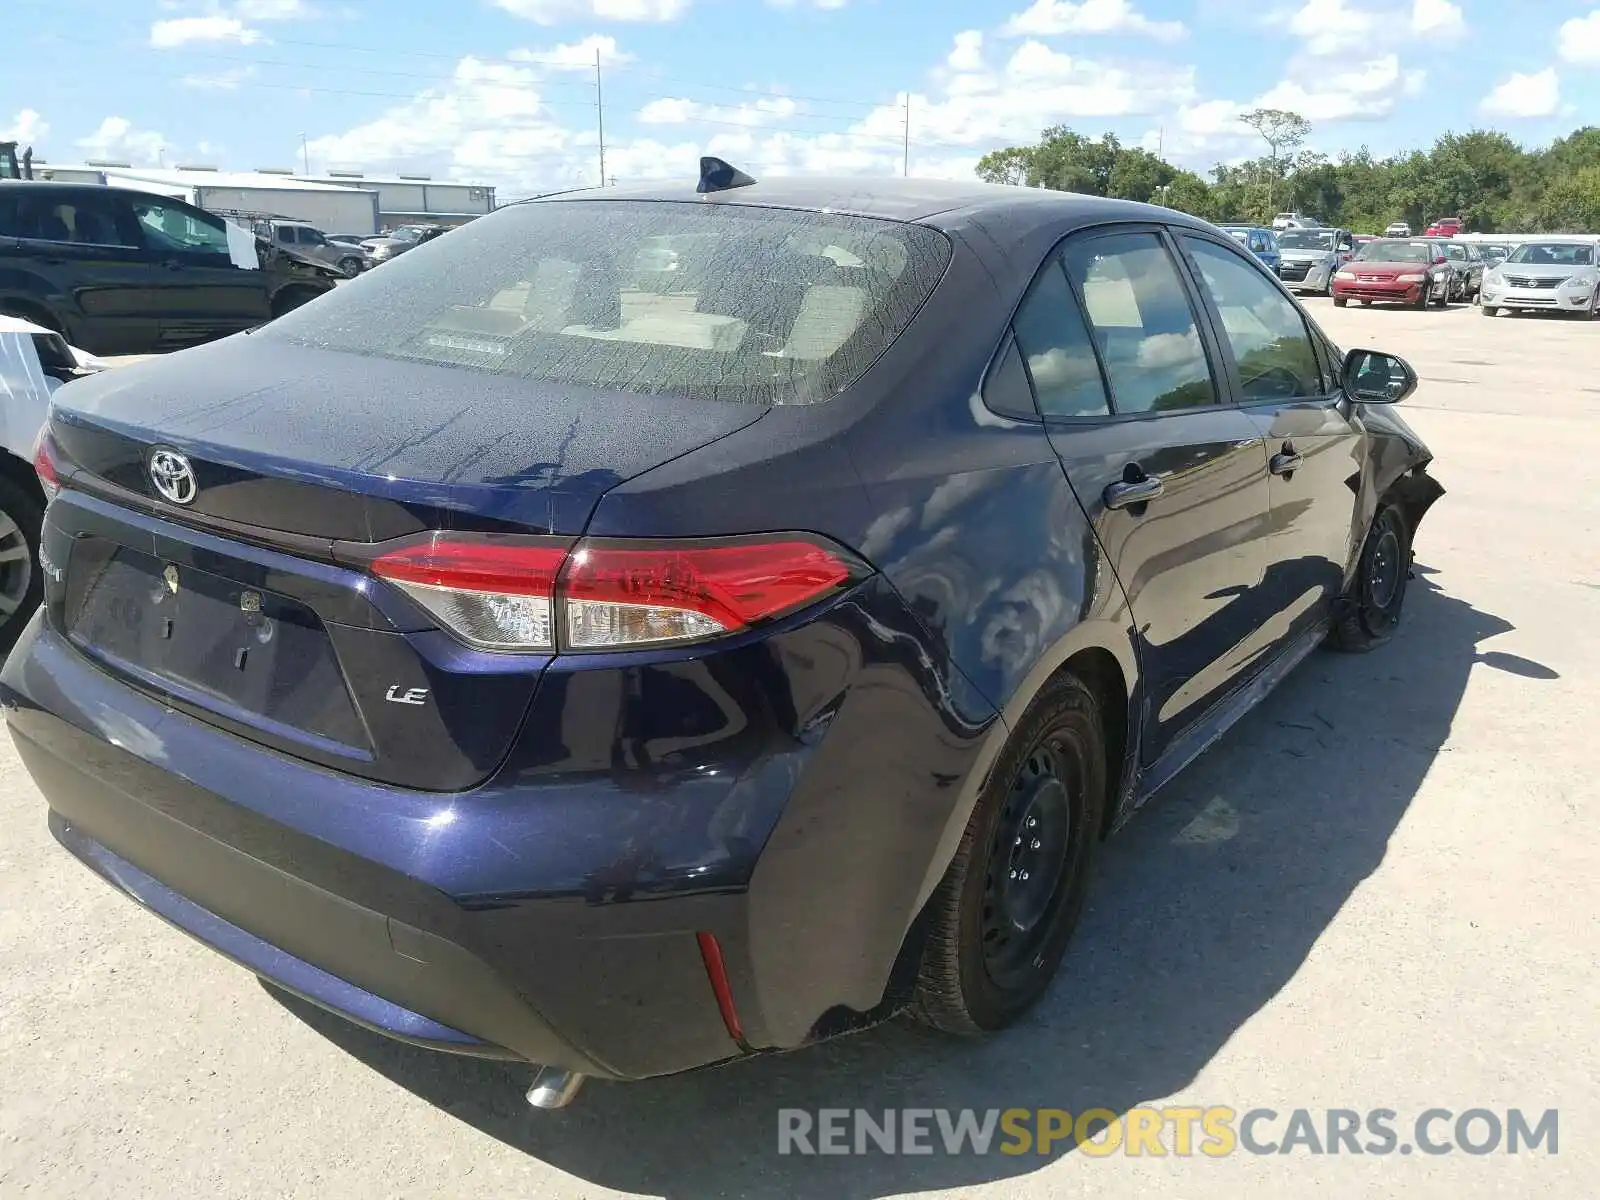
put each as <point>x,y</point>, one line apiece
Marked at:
<point>1542,254</point>
<point>720,301</point>
<point>1306,239</point>
<point>1242,236</point>
<point>1417,252</point>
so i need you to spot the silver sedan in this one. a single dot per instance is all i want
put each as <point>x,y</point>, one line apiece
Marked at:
<point>1558,275</point>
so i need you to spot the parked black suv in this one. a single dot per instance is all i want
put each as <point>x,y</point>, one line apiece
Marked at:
<point>126,272</point>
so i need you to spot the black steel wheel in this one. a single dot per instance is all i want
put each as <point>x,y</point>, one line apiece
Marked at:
<point>1002,916</point>
<point>1371,609</point>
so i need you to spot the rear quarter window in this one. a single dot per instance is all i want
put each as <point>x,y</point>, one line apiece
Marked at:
<point>727,302</point>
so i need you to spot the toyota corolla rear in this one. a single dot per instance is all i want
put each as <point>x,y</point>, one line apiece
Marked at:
<point>389,649</point>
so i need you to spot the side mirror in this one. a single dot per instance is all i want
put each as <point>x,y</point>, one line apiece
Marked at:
<point>1373,377</point>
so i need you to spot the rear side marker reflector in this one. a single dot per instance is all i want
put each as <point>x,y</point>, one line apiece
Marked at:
<point>721,988</point>
<point>538,595</point>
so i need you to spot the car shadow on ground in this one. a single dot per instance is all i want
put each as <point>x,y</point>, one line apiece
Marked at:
<point>1205,906</point>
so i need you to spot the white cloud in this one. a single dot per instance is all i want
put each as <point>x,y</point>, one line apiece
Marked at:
<point>1365,91</point>
<point>272,10</point>
<point>576,56</point>
<point>1437,18</point>
<point>179,31</point>
<point>671,111</point>
<point>490,121</point>
<point>218,81</point>
<point>822,4</point>
<point>1580,39</point>
<point>552,12</point>
<point>26,127</point>
<point>1048,18</point>
<point>116,138</point>
<point>967,52</point>
<point>1330,26</point>
<point>1535,95</point>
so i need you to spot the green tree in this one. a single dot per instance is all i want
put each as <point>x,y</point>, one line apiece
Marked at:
<point>1283,131</point>
<point>1012,165</point>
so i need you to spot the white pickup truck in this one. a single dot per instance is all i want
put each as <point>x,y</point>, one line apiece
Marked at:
<point>34,362</point>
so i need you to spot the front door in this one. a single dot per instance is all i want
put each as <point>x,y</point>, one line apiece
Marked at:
<point>203,294</point>
<point>1314,450</point>
<point>1172,480</point>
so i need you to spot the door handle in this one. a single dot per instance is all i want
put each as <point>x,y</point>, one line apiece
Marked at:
<point>1130,492</point>
<point>1285,463</point>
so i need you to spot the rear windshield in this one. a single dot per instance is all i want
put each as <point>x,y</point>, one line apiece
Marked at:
<point>1411,252</point>
<point>721,301</point>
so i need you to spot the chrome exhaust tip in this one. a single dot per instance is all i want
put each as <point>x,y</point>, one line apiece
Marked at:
<point>554,1088</point>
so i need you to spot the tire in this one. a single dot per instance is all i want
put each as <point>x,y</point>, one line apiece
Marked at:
<point>21,579</point>
<point>994,943</point>
<point>292,298</point>
<point>1424,298</point>
<point>350,266</point>
<point>1340,301</point>
<point>1371,610</point>
<point>1366,304</point>
<point>1489,310</point>
<point>1594,306</point>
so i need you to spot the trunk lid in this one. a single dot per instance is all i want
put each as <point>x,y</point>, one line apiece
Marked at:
<point>240,610</point>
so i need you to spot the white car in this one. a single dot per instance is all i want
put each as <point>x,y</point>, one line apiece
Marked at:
<point>1294,220</point>
<point>34,362</point>
<point>1397,229</point>
<point>1558,275</point>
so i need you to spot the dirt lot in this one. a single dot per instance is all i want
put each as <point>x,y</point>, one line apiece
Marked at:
<point>1377,892</point>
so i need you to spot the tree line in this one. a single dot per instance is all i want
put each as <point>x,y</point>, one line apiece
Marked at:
<point>1483,176</point>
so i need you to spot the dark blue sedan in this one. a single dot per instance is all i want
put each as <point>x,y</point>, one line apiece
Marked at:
<point>653,627</point>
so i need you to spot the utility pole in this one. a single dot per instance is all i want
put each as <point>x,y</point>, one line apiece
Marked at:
<point>1161,142</point>
<point>600,115</point>
<point>905,146</point>
<point>305,154</point>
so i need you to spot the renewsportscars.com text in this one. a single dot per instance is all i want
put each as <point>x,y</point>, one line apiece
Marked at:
<point>1179,1130</point>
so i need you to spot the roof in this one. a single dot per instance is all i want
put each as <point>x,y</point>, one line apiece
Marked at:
<point>357,181</point>
<point>892,199</point>
<point>249,180</point>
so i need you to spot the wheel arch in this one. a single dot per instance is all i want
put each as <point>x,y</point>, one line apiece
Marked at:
<point>1101,653</point>
<point>22,474</point>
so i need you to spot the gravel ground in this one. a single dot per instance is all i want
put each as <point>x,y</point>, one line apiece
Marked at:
<point>1376,892</point>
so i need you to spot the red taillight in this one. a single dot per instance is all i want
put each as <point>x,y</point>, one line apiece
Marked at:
<point>521,594</point>
<point>625,595</point>
<point>44,465</point>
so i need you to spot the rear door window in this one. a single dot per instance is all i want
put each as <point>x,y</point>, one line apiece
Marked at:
<point>83,219</point>
<point>1142,321</point>
<point>724,301</point>
<point>1056,349</point>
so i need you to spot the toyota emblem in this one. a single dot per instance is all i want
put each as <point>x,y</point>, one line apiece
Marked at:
<point>173,477</point>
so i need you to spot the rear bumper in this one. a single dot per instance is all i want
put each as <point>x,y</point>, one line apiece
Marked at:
<point>552,914</point>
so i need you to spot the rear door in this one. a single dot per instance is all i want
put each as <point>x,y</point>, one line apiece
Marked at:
<point>1314,450</point>
<point>75,246</point>
<point>202,294</point>
<point>1173,481</point>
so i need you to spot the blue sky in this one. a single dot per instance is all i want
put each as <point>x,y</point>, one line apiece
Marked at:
<point>503,91</point>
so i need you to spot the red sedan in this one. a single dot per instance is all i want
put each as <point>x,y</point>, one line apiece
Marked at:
<point>1411,271</point>
<point>1444,227</point>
